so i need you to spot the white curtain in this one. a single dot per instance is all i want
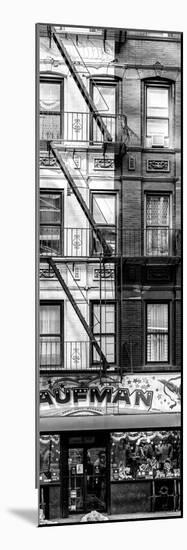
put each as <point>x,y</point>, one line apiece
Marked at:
<point>157,225</point>
<point>50,319</point>
<point>50,344</point>
<point>49,97</point>
<point>157,332</point>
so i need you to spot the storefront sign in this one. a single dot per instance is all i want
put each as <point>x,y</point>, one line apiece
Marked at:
<point>88,395</point>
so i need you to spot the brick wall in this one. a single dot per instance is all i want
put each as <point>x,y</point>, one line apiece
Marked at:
<point>131,334</point>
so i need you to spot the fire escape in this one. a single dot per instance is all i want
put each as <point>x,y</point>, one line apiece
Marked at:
<point>58,152</point>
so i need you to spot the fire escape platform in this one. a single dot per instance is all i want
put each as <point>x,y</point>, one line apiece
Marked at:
<point>81,259</point>
<point>87,97</point>
<point>87,328</point>
<point>151,261</point>
<point>79,197</point>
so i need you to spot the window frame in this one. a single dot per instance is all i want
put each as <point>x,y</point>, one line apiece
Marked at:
<point>106,225</point>
<point>52,224</point>
<point>105,82</point>
<point>103,334</point>
<point>54,79</point>
<point>160,302</point>
<point>59,303</point>
<point>159,83</point>
<point>158,194</point>
<point>49,481</point>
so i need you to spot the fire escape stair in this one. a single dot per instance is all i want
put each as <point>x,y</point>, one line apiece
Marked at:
<point>88,99</point>
<point>78,312</point>
<point>68,176</point>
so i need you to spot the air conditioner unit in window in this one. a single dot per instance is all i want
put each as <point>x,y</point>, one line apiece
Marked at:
<point>158,140</point>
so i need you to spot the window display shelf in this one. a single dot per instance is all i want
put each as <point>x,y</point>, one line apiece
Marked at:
<point>155,479</point>
<point>46,483</point>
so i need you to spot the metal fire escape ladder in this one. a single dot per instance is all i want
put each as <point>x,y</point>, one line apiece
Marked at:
<point>78,312</point>
<point>106,248</point>
<point>88,99</point>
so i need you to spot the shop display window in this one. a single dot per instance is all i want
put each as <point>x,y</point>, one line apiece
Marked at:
<point>49,458</point>
<point>145,455</point>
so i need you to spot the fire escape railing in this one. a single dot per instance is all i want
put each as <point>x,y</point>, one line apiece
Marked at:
<point>107,138</point>
<point>80,242</point>
<point>80,126</point>
<point>81,201</point>
<point>88,99</point>
<point>79,313</point>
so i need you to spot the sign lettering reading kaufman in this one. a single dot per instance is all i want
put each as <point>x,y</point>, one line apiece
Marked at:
<point>88,395</point>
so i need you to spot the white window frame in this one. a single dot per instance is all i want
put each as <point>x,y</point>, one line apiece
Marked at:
<point>158,140</point>
<point>157,194</point>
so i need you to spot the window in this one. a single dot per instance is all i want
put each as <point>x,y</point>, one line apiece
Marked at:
<point>157,114</point>
<point>51,94</point>
<point>104,213</point>
<point>50,335</point>
<point>49,458</point>
<point>157,225</point>
<point>104,97</point>
<point>157,332</point>
<point>104,329</point>
<point>51,224</point>
<point>141,455</point>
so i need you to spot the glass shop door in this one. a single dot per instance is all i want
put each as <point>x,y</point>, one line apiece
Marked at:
<point>87,479</point>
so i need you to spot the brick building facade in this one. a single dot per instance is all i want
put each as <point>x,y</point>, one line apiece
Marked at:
<point>109,150</point>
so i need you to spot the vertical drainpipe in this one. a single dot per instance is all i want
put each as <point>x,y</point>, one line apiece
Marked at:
<point>121,280</point>
<point>100,316</point>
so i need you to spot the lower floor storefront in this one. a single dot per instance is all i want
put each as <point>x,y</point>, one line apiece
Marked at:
<point>108,471</point>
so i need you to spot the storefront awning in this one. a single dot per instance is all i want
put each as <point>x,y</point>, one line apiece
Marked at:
<point>116,422</point>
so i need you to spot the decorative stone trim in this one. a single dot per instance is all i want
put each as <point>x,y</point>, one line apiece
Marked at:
<point>103,163</point>
<point>158,165</point>
<point>158,274</point>
<point>48,161</point>
<point>107,273</point>
<point>46,272</point>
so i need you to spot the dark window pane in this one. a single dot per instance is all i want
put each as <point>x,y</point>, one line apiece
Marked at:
<point>76,480</point>
<point>50,240</point>
<point>109,234</point>
<point>50,458</point>
<point>50,211</point>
